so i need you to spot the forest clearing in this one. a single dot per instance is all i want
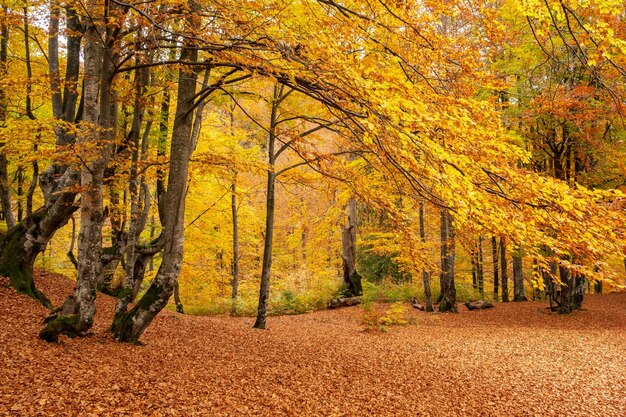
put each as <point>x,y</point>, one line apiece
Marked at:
<point>515,360</point>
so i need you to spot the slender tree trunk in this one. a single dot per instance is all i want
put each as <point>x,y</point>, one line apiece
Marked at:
<point>503,265</point>
<point>351,278</point>
<point>5,188</point>
<point>267,252</point>
<point>494,258</point>
<point>425,273</point>
<point>448,289</point>
<point>481,272</point>
<point>264,290</point>
<point>235,218</point>
<point>19,180</point>
<point>518,279</point>
<point>474,262</point>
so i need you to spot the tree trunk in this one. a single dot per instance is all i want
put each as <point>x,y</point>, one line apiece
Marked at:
<point>448,289</point>
<point>351,278</point>
<point>20,245</point>
<point>129,327</point>
<point>549,285</point>
<point>235,218</point>
<point>480,271</point>
<point>425,273</point>
<point>474,262</point>
<point>597,286</point>
<point>179,304</point>
<point>572,291</point>
<point>565,303</point>
<point>138,214</point>
<point>99,116</point>
<point>518,279</point>
<point>264,290</point>
<point>5,189</point>
<point>503,265</point>
<point>494,258</point>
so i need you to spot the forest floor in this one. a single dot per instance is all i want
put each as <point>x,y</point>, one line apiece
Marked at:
<point>516,359</point>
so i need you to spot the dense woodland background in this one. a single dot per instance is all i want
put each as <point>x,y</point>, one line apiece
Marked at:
<point>443,151</point>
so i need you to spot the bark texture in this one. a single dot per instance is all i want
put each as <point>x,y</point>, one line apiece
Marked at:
<point>352,286</point>
<point>95,138</point>
<point>21,245</point>
<point>264,289</point>
<point>504,274</point>
<point>447,297</point>
<point>129,326</point>
<point>518,279</point>
<point>494,258</point>
<point>425,273</point>
<point>235,271</point>
<point>478,305</point>
<point>5,186</point>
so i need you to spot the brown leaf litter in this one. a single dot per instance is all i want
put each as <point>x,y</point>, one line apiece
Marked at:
<point>514,360</point>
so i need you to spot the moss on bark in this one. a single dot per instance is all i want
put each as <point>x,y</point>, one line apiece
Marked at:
<point>60,325</point>
<point>447,307</point>
<point>16,264</point>
<point>125,328</point>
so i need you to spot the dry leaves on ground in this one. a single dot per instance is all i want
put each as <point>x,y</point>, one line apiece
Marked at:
<point>516,359</point>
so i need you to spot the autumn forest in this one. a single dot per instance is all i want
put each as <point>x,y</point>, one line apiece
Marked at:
<point>265,207</point>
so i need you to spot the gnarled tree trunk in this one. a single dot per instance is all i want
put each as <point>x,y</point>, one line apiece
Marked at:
<point>99,115</point>
<point>21,244</point>
<point>129,326</point>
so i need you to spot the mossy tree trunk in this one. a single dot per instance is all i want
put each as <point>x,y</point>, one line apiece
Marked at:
<point>18,250</point>
<point>95,144</point>
<point>129,326</point>
<point>21,244</point>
